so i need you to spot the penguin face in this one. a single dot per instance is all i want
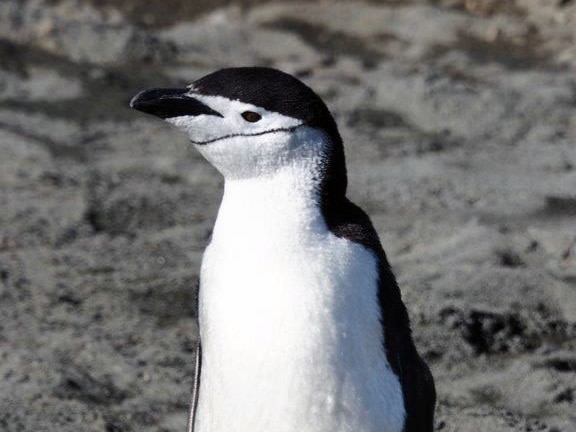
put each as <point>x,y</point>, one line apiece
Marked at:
<point>247,121</point>
<point>246,140</point>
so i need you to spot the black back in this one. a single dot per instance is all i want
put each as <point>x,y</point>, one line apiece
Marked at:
<point>347,220</point>
<point>282,93</point>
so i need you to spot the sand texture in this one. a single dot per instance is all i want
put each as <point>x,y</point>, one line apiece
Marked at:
<point>459,120</point>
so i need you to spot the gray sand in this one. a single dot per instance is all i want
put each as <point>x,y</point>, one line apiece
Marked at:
<point>459,119</point>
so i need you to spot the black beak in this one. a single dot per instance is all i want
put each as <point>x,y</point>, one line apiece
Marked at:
<point>170,102</point>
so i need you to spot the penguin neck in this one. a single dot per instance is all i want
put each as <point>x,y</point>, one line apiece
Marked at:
<point>271,207</point>
<point>290,199</point>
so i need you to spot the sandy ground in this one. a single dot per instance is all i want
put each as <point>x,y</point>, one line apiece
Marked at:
<point>459,119</point>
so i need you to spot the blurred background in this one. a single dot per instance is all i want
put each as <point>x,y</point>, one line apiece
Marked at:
<point>459,119</point>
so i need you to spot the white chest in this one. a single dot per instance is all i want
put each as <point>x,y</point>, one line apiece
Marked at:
<point>290,327</point>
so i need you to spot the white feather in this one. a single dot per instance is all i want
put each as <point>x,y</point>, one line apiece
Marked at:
<point>289,318</point>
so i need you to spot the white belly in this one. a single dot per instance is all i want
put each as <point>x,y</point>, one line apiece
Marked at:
<point>291,335</point>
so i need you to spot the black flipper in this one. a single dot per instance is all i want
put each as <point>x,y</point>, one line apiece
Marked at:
<point>197,370</point>
<point>195,388</point>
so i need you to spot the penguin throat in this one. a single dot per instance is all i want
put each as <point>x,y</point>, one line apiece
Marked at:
<point>285,203</point>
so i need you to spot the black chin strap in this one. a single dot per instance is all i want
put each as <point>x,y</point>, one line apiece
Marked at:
<point>195,388</point>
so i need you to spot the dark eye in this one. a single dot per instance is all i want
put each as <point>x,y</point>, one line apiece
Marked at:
<point>251,116</point>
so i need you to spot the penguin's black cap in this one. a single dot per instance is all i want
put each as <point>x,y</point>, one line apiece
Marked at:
<point>272,90</point>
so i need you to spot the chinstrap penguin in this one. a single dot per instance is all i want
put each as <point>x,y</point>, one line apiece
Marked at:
<point>302,325</point>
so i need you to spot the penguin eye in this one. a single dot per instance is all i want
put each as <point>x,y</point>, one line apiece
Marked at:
<point>251,116</point>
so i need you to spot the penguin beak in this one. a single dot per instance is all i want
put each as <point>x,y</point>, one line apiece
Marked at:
<point>170,102</point>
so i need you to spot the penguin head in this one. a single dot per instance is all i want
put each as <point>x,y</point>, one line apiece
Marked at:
<point>251,121</point>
